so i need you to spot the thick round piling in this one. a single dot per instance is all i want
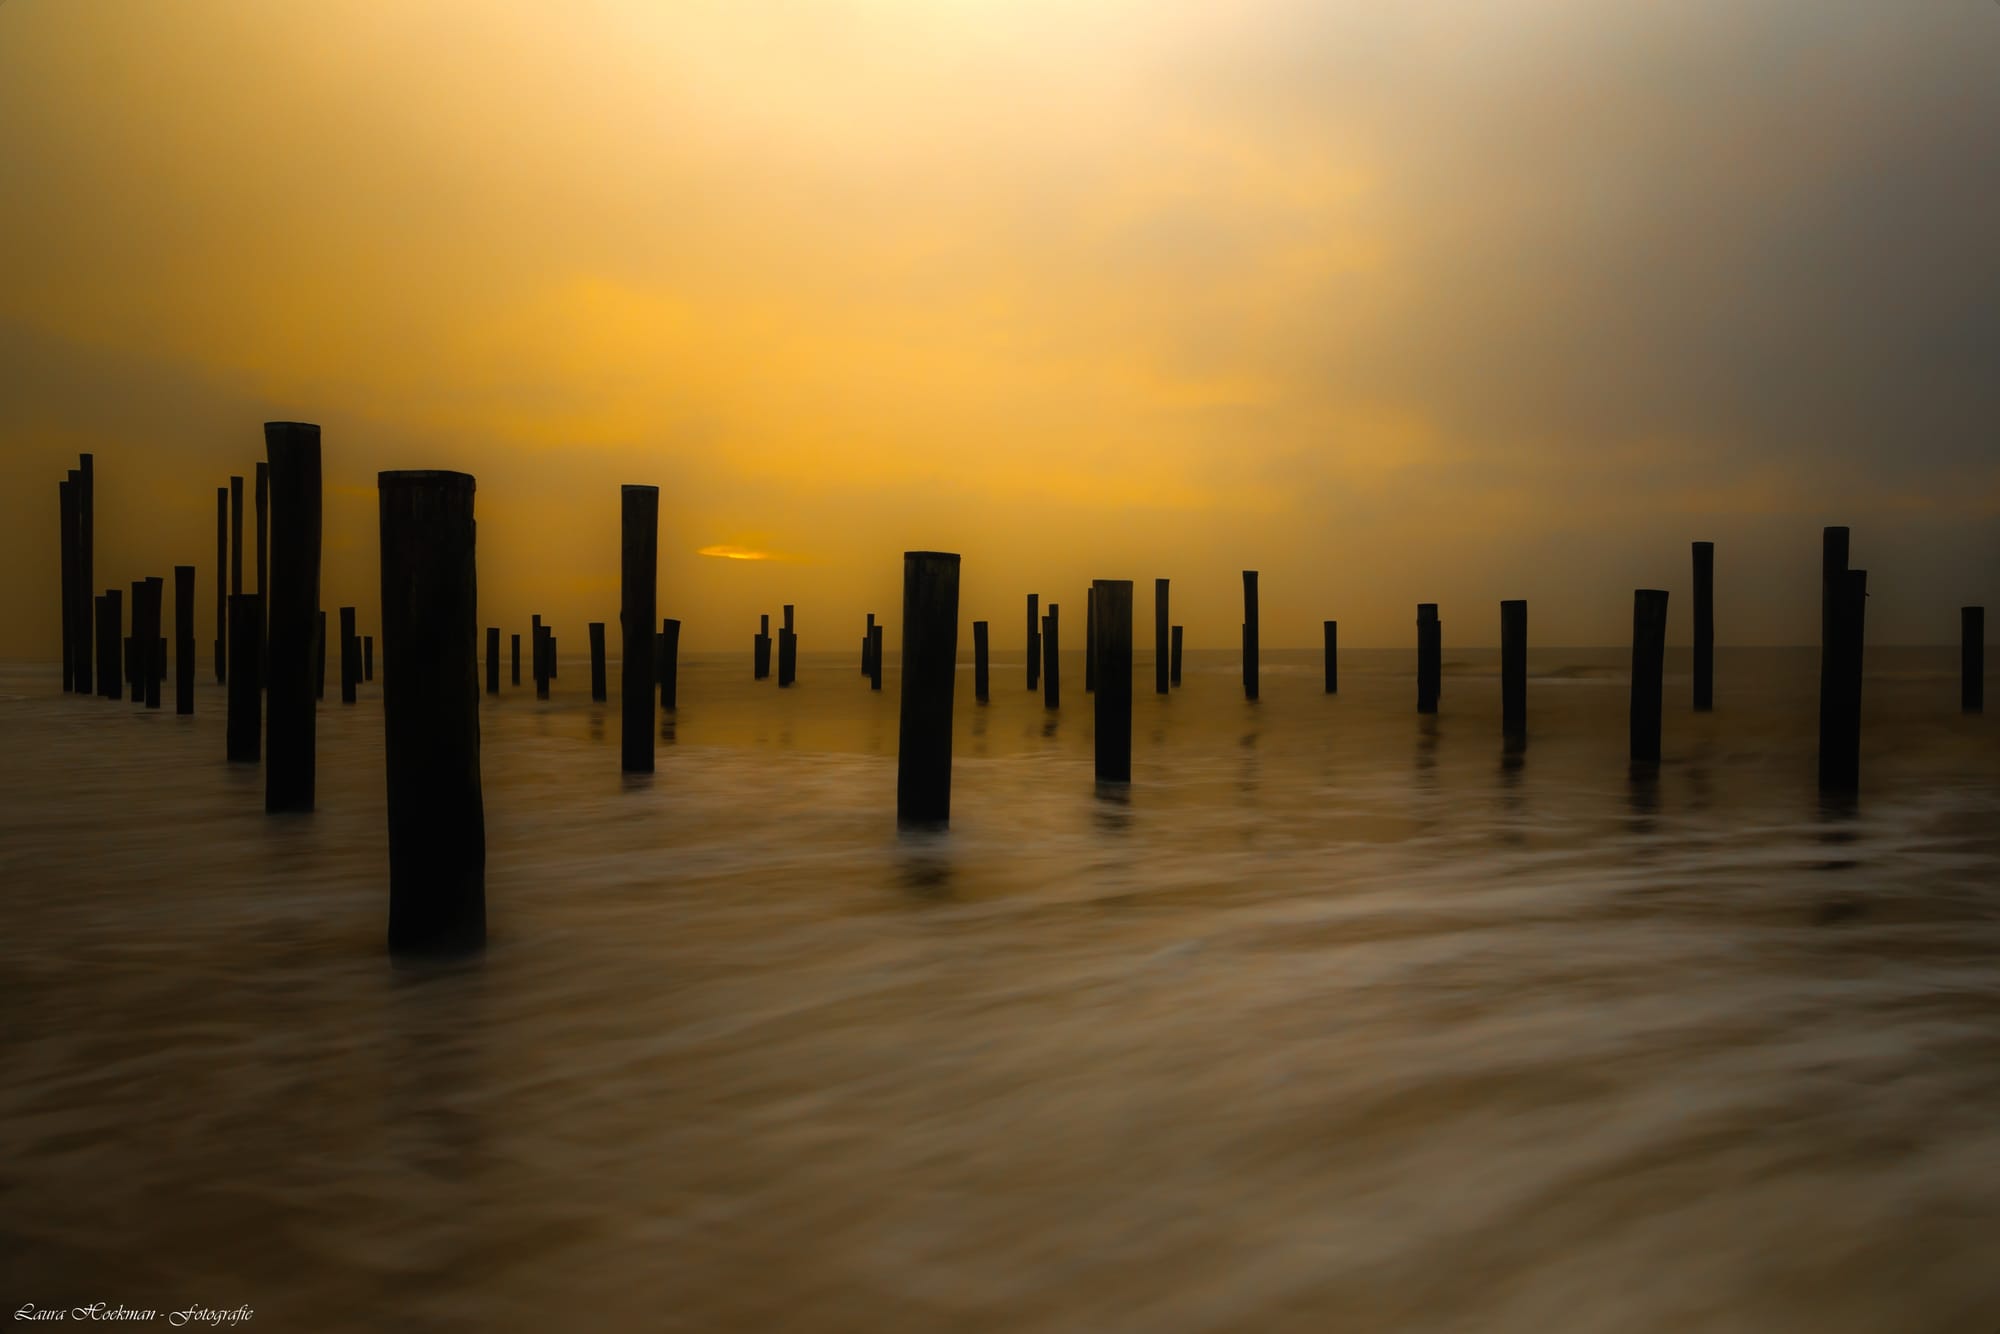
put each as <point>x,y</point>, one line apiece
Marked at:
<point>152,647</point>
<point>290,766</point>
<point>930,674</point>
<point>1174,676</point>
<point>1514,668</point>
<point>262,499</point>
<point>350,657</point>
<point>1089,641</point>
<point>184,639</point>
<point>430,713</point>
<point>1649,651</point>
<point>86,568</point>
<point>670,663</point>
<point>1430,638</point>
<point>598,692</point>
<point>875,657</point>
<point>639,521</point>
<point>1249,634</point>
<point>1840,700</point>
<point>1972,659</point>
<point>66,538</point>
<point>222,583</point>
<point>492,659</point>
<point>788,650</point>
<point>1034,640</point>
<point>1704,626</point>
<point>1051,661</point>
<point>1113,700</point>
<point>979,676</point>
<point>1330,653</point>
<point>243,730</point>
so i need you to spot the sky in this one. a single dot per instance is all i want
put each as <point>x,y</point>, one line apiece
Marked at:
<point>1393,303</point>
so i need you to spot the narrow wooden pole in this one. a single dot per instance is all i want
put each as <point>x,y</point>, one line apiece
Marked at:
<point>84,492</point>
<point>243,730</point>
<point>1430,634</point>
<point>555,652</point>
<point>221,583</point>
<point>543,676</point>
<point>108,635</point>
<point>1649,651</point>
<point>1162,633</point>
<point>516,678</point>
<point>1704,626</point>
<point>1113,701</point>
<point>670,663</point>
<point>1832,571</point>
<point>1051,663</point>
<point>152,646</point>
<point>350,657</point>
<point>1840,698</point>
<point>263,505</point>
<point>535,666</point>
<point>639,600</point>
<point>930,674</point>
<point>66,536</point>
<point>598,691</point>
<point>1174,676</point>
<point>492,659</point>
<point>1972,659</point>
<point>290,768</point>
<point>138,647</point>
<point>235,534</point>
<point>875,657</point>
<point>368,657</point>
<point>788,650</point>
<point>1034,640</point>
<point>1514,668</point>
<point>979,678</point>
<point>867,643</point>
<point>430,713</point>
<point>1331,631</point>
<point>1089,641</point>
<point>760,649</point>
<point>1249,634</point>
<point>183,639</point>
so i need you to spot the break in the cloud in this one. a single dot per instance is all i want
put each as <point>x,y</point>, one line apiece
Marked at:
<point>723,551</point>
<point>1393,302</point>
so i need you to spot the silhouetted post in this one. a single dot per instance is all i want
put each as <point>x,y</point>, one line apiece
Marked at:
<point>760,649</point>
<point>1331,630</point>
<point>788,651</point>
<point>319,657</point>
<point>243,732</point>
<point>1972,659</point>
<point>221,583</point>
<point>598,692</point>
<point>516,680</point>
<point>875,657</point>
<point>639,600</point>
<point>430,712</point>
<point>979,678</point>
<point>350,656</point>
<point>543,673</point>
<point>1249,634</point>
<point>1840,724</point>
<point>930,673</point>
<point>555,653</point>
<point>1514,668</point>
<point>138,645</point>
<point>535,656</point>
<point>1430,641</point>
<point>670,663</point>
<point>1034,640</point>
<point>112,622</point>
<point>1649,651</point>
<point>492,659</point>
<point>235,534</point>
<point>1089,641</point>
<point>153,649</point>
<point>84,492</point>
<point>183,639</point>
<point>1162,628</point>
<point>1174,676</point>
<point>1114,680</point>
<point>66,535</point>
<point>1704,626</point>
<point>290,757</point>
<point>368,657</point>
<point>263,504</point>
<point>1051,664</point>
<point>867,645</point>
<point>1832,569</point>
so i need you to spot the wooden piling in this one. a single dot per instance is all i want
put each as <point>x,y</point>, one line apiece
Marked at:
<point>290,756</point>
<point>235,534</point>
<point>84,626</point>
<point>639,600</point>
<point>1051,663</point>
<point>263,508</point>
<point>979,676</point>
<point>152,648</point>
<point>516,677</point>
<point>1840,697</point>
<point>112,609</point>
<point>66,538</point>
<point>1330,631</point>
<point>221,583</point>
<point>1034,641</point>
<point>788,651</point>
<point>492,659</point>
<point>1972,659</point>
<point>1832,569</point>
<point>875,657</point>
<point>1430,638</point>
<point>670,663</point>
<point>184,639</point>
<point>1162,631</point>
<point>350,657</point>
<point>598,692</point>
<point>867,644</point>
<point>535,665</point>
<point>1704,626</point>
<point>1174,675</point>
<point>138,645</point>
<point>543,675</point>
<point>1249,634</point>
<point>1090,641</point>
<point>242,733</point>
<point>1113,700</point>
<point>930,674</point>
<point>1514,668</point>
<point>760,649</point>
<point>1649,651</point>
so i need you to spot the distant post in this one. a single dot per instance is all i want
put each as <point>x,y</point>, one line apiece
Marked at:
<point>1514,668</point>
<point>788,650</point>
<point>184,639</point>
<point>1089,641</point>
<point>640,525</point>
<point>1034,640</point>
<point>516,640</point>
<point>1840,715</point>
<point>150,643</point>
<point>979,680</point>
<point>350,657</point>
<point>1649,651</point>
<point>221,582</point>
<point>82,492</point>
<point>930,672</point>
<point>492,659</point>
<point>1832,573</point>
<point>107,637</point>
<point>1051,664</point>
<point>138,645</point>
<point>66,534</point>
<point>1430,668</point>
<point>235,534</point>
<point>598,692</point>
<point>263,504</point>
<point>1330,631</point>
<point>1972,659</point>
<point>1249,634</point>
<point>290,751</point>
<point>1162,626</point>
<point>1704,626</point>
<point>1114,680</point>
<point>1174,676</point>
<point>670,663</point>
<point>430,712</point>
<point>760,649</point>
<point>244,727</point>
<point>536,663</point>
<point>867,643</point>
<point>543,673</point>
<point>875,657</point>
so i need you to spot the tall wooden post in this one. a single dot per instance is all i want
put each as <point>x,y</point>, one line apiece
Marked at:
<point>875,657</point>
<point>535,663</point>
<point>1331,631</point>
<point>107,637</point>
<point>151,645</point>
<point>350,657</point>
<point>290,768</point>
<point>1089,641</point>
<point>598,690</point>
<point>930,674</point>
<point>979,678</point>
<point>1430,668</point>
<point>235,534</point>
<point>760,649</point>
<point>1162,632</point>
<point>244,727</point>
<point>138,646</point>
<point>1249,634</point>
<point>183,639</point>
<point>1034,640</point>
<point>66,534</point>
<point>1649,651</point>
<point>1832,571</point>
<point>1174,676</point>
<point>263,505</point>
<point>1514,668</point>
<point>83,627</point>
<point>1051,664</point>
<point>639,600</point>
<point>492,659</point>
<point>1972,659</point>
<point>788,650</point>
<point>867,643</point>
<point>222,583</point>
<point>1704,626</point>
<point>1113,700</point>
<point>1840,698</point>
<point>670,663</point>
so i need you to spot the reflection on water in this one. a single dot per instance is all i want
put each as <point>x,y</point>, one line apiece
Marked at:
<point>1336,1018</point>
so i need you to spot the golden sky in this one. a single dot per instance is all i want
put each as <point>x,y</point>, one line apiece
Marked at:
<point>1394,303</point>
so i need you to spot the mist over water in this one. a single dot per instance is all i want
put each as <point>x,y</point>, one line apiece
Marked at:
<point>1339,1018</point>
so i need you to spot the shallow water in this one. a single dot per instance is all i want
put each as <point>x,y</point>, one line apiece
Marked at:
<point>1338,1019</point>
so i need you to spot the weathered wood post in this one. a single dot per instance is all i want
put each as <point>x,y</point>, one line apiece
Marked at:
<point>350,657</point>
<point>1174,676</point>
<point>492,659</point>
<point>930,673</point>
<point>83,627</point>
<point>430,713</point>
<point>516,680</point>
<point>1249,634</point>
<point>1034,640</point>
<point>544,674</point>
<point>113,612</point>
<point>875,657</point>
<point>1649,651</point>
<point>867,643</point>
<point>1089,641</point>
<point>66,535</point>
<point>760,649</point>
<point>1113,701</point>
<point>244,727</point>
<point>1840,715</point>
<point>599,692</point>
<point>1704,626</point>
<point>152,647</point>
<point>1330,632</point>
<point>290,755</point>
<point>1162,632</point>
<point>263,506</point>
<point>221,583</point>
<point>368,657</point>
<point>1051,664</point>
<point>1972,659</point>
<point>788,650</point>
<point>535,656</point>
<point>1514,668</point>
<point>1832,571</point>
<point>235,535</point>
<point>979,677</point>
<point>184,639</point>
<point>670,663</point>
<point>138,645</point>
<point>639,604</point>
<point>1430,639</point>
